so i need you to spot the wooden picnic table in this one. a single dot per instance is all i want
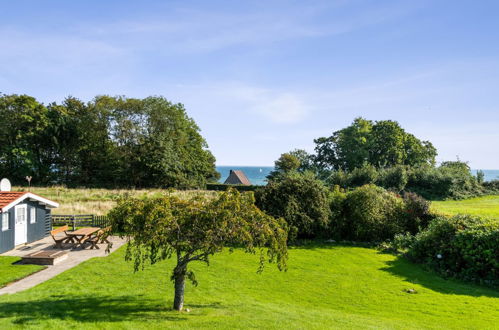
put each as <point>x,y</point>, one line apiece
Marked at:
<point>78,237</point>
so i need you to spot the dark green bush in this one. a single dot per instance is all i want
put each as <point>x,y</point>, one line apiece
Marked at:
<point>361,176</point>
<point>491,186</point>
<point>463,246</point>
<point>450,180</point>
<point>299,198</point>
<point>371,214</point>
<point>224,187</point>
<point>417,212</point>
<point>393,178</point>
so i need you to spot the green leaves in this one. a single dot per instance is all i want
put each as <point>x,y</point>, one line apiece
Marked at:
<point>110,141</point>
<point>381,144</point>
<point>195,229</point>
<point>468,248</point>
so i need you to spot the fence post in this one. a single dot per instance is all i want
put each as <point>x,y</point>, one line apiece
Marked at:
<point>93,220</point>
<point>74,222</point>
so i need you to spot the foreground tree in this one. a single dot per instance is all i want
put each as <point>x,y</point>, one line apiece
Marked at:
<point>195,229</point>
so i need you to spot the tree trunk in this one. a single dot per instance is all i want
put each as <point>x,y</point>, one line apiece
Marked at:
<point>178,302</point>
<point>179,277</point>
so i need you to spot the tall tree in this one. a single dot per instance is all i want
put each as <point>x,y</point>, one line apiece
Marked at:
<point>381,144</point>
<point>194,230</point>
<point>345,149</point>
<point>22,126</point>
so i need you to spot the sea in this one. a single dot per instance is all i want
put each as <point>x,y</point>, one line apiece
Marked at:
<point>489,174</point>
<point>257,174</point>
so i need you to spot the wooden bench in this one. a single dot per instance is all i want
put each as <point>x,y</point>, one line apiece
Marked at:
<point>101,237</point>
<point>59,240</point>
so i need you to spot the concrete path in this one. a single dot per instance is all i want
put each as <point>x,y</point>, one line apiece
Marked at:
<point>74,258</point>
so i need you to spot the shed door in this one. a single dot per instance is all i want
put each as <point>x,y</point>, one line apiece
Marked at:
<point>21,225</point>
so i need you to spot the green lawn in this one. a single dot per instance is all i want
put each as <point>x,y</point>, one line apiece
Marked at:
<point>486,206</point>
<point>10,272</point>
<point>325,287</point>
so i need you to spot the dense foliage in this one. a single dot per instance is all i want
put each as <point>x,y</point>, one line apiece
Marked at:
<point>194,230</point>
<point>382,144</point>
<point>110,141</point>
<point>373,214</point>
<point>462,246</point>
<point>449,180</point>
<point>224,187</point>
<point>299,198</point>
<point>368,213</point>
<point>384,154</point>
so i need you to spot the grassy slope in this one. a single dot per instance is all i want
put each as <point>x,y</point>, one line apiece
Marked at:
<point>93,201</point>
<point>325,287</point>
<point>486,206</point>
<point>10,272</point>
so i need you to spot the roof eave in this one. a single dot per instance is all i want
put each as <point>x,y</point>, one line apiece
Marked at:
<point>50,204</point>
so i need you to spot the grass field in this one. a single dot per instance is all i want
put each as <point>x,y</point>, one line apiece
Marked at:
<point>10,272</point>
<point>93,201</point>
<point>325,287</point>
<point>485,206</point>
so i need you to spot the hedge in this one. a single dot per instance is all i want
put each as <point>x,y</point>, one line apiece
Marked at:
<point>224,187</point>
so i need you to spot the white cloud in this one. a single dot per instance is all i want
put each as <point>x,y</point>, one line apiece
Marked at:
<point>284,108</point>
<point>276,106</point>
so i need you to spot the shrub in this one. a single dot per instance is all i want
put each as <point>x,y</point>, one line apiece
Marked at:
<point>463,246</point>
<point>393,178</point>
<point>450,180</point>
<point>301,199</point>
<point>224,187</point>
<point>338,178</point>
<point>336,205</point>
<point>366,174</point>
<point>491,186</point>
<point>372,214</point>
<point>417,212</point>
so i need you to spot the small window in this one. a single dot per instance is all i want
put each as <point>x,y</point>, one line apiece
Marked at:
<point>32,214</point>
<point>5,221</point>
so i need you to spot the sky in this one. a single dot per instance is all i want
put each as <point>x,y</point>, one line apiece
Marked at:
<point>261,78</point>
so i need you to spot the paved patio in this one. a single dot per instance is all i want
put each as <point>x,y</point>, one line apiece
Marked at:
<point>75,257</point>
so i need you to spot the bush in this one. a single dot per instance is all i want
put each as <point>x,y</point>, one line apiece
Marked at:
<point>371,213</point>
<point>417,212</point>
<point>463,246</point>
<point>299,198</point>
<point>361,176</point>
<point>224,187</point>
<point>491,186</point>
<point>450,180</point>
<point>393,178</point>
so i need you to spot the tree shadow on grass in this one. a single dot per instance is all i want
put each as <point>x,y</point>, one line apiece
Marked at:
<point>415,274</point>
<point>89,309</point>
<point>326,244</point>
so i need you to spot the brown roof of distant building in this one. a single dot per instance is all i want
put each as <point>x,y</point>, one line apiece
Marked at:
<point>237,177</point>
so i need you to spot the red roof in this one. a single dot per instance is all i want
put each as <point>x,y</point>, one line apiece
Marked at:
<point>7,197</point>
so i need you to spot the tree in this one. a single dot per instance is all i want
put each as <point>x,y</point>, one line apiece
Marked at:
<point>346,149</point>
<point>22,125</point>
<point>381,144</point>
<point>285,164</point>
<point>194,230</point>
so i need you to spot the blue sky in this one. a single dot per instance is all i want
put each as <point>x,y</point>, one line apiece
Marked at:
<point>264,77</point>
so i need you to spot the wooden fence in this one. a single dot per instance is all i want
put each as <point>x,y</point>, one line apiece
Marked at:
<point>80,220</point>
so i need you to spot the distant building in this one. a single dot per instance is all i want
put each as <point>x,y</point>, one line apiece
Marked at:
<point>237,177</point>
